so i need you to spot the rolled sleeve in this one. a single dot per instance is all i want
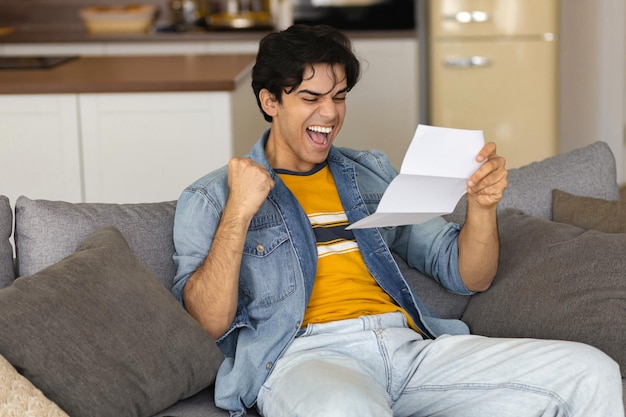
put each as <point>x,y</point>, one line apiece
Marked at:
<point>432,247</point>
<point>195,223</point>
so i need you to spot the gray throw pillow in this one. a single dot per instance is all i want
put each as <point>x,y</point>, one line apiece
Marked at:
<point>47,231</point>
<point>555,281</point>
<point>99,335</point>
<point>589,213</point>
<point>588,171</point>
<point>7,274</point>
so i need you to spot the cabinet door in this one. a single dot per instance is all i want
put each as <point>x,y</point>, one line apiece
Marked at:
<point>508,89</point>
<point>39,147</point>
<point>468,18</point>
<point>149,147</point>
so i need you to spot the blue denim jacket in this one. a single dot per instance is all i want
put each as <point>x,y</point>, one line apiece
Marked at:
<point>280,260</point>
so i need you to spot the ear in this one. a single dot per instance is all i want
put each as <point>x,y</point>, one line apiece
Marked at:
<point>268,102</point>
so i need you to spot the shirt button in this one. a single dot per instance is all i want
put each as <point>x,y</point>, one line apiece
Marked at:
<point>259,248</point>
<point>297,325</point>
<point>268,366</point>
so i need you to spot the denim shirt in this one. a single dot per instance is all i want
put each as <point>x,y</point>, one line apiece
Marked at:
<point>280,260</point>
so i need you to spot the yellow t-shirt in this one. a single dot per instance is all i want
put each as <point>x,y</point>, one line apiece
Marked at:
<point>343,287</point>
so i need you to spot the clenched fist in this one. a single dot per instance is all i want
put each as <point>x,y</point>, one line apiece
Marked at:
<point>249,183</point>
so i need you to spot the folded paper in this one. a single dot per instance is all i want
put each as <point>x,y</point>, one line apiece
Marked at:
<point>433,177</point>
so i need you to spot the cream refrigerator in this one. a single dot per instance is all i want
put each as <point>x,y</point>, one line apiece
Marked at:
<point>492,66</point>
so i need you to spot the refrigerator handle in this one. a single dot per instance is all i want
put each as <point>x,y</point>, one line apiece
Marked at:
<point>474,16</point>
<point>470,62</point>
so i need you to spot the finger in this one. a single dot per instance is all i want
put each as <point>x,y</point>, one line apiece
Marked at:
<point>487,151</point>
<point>489,195</point>
<point>491,173</point>
<point>491,162</point>
<point>484,170</point>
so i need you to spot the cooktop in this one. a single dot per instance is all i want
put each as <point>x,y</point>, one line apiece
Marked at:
<point>32,62</point>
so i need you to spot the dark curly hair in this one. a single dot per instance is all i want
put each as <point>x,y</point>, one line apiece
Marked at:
<point>284,56</point>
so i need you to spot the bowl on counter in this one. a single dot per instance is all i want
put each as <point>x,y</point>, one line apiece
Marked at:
<point>134,18</point>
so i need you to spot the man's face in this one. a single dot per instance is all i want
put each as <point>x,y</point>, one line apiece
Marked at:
<point>305,125</point>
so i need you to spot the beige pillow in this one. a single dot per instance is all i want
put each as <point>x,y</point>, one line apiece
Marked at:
<point>608,216</point>
<point>20,398</point>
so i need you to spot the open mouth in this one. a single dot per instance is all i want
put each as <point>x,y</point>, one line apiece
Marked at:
<point>319,134</point>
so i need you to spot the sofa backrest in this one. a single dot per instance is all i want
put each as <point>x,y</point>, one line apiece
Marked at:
<point>7,274</point>
<point>589,171</point>
<point>48,231</point>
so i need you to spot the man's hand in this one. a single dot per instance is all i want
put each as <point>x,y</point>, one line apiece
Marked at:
<point>249,183</point>
<point>486,186</point>
<point>479,246</point>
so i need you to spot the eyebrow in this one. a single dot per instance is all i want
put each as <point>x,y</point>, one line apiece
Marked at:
<point>316,94</point>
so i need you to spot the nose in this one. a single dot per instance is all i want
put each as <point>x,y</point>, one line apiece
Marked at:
<point>328,108</point>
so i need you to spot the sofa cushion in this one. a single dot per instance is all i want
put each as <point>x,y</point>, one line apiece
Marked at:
<point>443,303</point>
<point>7,273</point>
<point>97,331</point>
<point>200,405</point>
<point>18,397</point>
<point>588,171</point>
<point>47,231</point>
<point>555,281</point>
<point>589,213</point>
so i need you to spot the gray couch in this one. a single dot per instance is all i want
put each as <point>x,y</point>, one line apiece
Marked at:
<point>92,325</point>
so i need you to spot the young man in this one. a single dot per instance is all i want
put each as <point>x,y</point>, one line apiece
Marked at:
<point>317,321</point>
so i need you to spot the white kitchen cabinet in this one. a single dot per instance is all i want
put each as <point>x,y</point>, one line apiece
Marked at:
<point>39,147</point>
<point>148,147</point>
<point>124,148</point>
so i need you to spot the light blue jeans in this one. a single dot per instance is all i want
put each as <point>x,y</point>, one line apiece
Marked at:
<point>375,366</point>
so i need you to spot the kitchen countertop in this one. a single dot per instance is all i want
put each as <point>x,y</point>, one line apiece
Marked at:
<point>196,35</point>
<point>131,74</point>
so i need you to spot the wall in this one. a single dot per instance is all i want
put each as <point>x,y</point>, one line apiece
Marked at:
<point>592,70</point>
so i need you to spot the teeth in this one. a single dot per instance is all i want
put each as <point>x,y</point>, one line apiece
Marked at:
<point>320,129</point>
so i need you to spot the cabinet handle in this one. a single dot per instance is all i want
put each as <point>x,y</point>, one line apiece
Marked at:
<point>471,62</point>
<point>474,16</point>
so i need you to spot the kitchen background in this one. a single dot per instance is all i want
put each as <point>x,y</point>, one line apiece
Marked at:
<point>572,93</point>
<point>63,15</point>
